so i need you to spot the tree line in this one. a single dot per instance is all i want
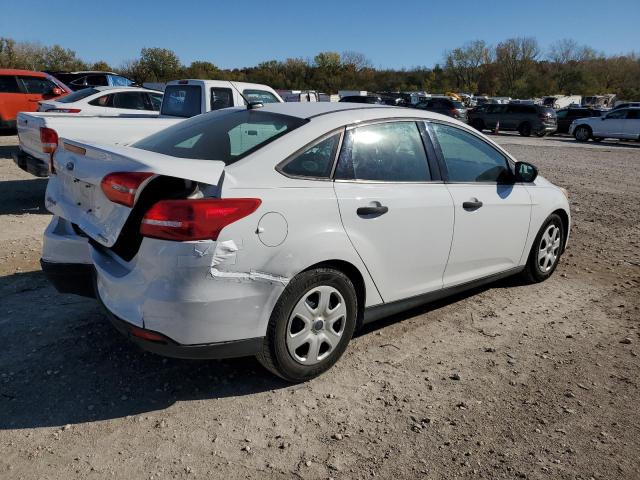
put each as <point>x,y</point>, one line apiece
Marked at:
<point>515,67</point>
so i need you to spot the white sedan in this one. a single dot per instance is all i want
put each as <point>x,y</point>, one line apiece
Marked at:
<point>278,230</point>
<point>106,101</point>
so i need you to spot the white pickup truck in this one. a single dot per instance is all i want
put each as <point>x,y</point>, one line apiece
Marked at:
<point>39,132</point>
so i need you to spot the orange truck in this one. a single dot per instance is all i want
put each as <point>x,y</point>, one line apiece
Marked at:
<point>21,90</point>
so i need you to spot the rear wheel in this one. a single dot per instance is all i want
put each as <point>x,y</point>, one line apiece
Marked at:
<point>525,129</point>
<point>311,325</point>
<point>582,133</point>
<point>477,124</point>
<point>546,251</point>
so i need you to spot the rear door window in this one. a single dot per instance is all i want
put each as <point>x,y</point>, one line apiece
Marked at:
<point>182,100</point>
<point>130,100</point>
<point>468,158</point>
<point>391,152</point>
<point>9,84</point>
<point>316,161</point>
<point>103,101</point>
<point>97,80</point>
<point>156,100</point>
<point>39,85</point>
<point>260,96</point>
<point>221,98</point>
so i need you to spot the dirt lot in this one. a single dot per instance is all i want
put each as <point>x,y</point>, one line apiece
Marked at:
<point>548,374</point>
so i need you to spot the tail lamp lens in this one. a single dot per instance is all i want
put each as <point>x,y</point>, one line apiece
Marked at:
<point>48,139</point>
<point>122,187</point>
<point>201,219</point>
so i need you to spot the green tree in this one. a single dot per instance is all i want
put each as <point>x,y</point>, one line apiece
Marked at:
<point>159,64</point>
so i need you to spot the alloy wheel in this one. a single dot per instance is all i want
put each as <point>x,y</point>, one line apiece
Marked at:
<point>316,325</point>
<point>549,248</point>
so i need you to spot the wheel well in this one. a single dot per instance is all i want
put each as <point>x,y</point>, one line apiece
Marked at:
<point>565,224</point>
<point>585,126</point>
<point>356,278</point>
<point>522,124</point>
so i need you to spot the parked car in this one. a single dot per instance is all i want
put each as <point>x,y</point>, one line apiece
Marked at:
<point>278,231</point>
<point>21,90</point>
<point>566,116</point>
<point>445,106</point>
<point>370,99</point>
<point>622,123</point>
<point>107,101</point>
<point>523,118</point>
<point>84,79</point>
<point>626,105</point>
<point>39,133</point>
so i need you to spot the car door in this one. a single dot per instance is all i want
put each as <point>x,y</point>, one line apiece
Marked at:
<point>12,98</point>
<point>492,214</point>
<point>611,125</point>
<point>395,209</point>
<point>632,124</point>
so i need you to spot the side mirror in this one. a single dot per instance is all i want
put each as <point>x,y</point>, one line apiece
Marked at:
<point>525,172</point>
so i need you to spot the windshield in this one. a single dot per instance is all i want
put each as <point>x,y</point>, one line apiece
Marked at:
<point>221,135</point>
<point>79,95</point>
<point>182,100</point>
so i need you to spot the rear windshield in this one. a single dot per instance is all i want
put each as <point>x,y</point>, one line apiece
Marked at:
<point>457,104</point>
<point>221,135</point>
<point>182,100</point>
<point>547,110</point>
<point>79,95</point>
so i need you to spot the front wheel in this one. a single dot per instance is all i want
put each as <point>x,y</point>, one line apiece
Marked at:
<point>582,133</point>
<point>546,251</point>
<point>311,325</point>
<point>525,129</point>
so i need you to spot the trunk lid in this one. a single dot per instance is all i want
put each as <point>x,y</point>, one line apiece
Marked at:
<point>75,194</point>
<point>29,133</point>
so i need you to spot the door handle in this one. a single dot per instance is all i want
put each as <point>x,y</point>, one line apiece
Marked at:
<point>376,209</point>
<point>473,204</point>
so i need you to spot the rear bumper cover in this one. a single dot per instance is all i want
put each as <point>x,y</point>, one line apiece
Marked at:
<point>79,279</point>
<point>30,164</point>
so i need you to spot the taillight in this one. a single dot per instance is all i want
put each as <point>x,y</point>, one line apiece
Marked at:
<point>121,187</point>
<point>63,110</point>
<point>48,139</point>
<point>201,219</point>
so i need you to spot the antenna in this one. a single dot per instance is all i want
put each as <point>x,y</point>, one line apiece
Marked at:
<point>250,105</point>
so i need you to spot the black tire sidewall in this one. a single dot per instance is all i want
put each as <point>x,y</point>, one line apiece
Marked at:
<point>534,268</point>
<point>575,134</point>
<point>286,366</point>
<point>525,130</point>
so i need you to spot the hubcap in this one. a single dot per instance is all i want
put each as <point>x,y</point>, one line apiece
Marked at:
<point>549,248</point>
<point>316,325</point>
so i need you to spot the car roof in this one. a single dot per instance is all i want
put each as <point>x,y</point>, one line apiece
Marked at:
<point>124,89</point>
<point>15,71</point>
<point>345,112</point>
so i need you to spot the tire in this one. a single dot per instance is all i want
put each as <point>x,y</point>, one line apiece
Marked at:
<point>477,124</point>
<point>582,133</point>
<point>539,267</point>
<point>287,328</point>
<point>525,129</point>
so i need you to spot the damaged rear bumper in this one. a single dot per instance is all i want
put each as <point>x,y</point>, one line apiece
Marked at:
<point>157,343</point>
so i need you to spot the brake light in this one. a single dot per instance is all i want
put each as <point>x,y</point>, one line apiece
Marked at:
<point>63,110</point>
<point>48,139</point>
<point>122,187</point>
<point>201,219</point>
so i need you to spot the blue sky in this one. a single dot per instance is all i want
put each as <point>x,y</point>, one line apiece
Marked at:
<point>244,33</point>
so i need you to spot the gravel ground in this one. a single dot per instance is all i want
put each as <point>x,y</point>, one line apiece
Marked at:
<point>508,381</point>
